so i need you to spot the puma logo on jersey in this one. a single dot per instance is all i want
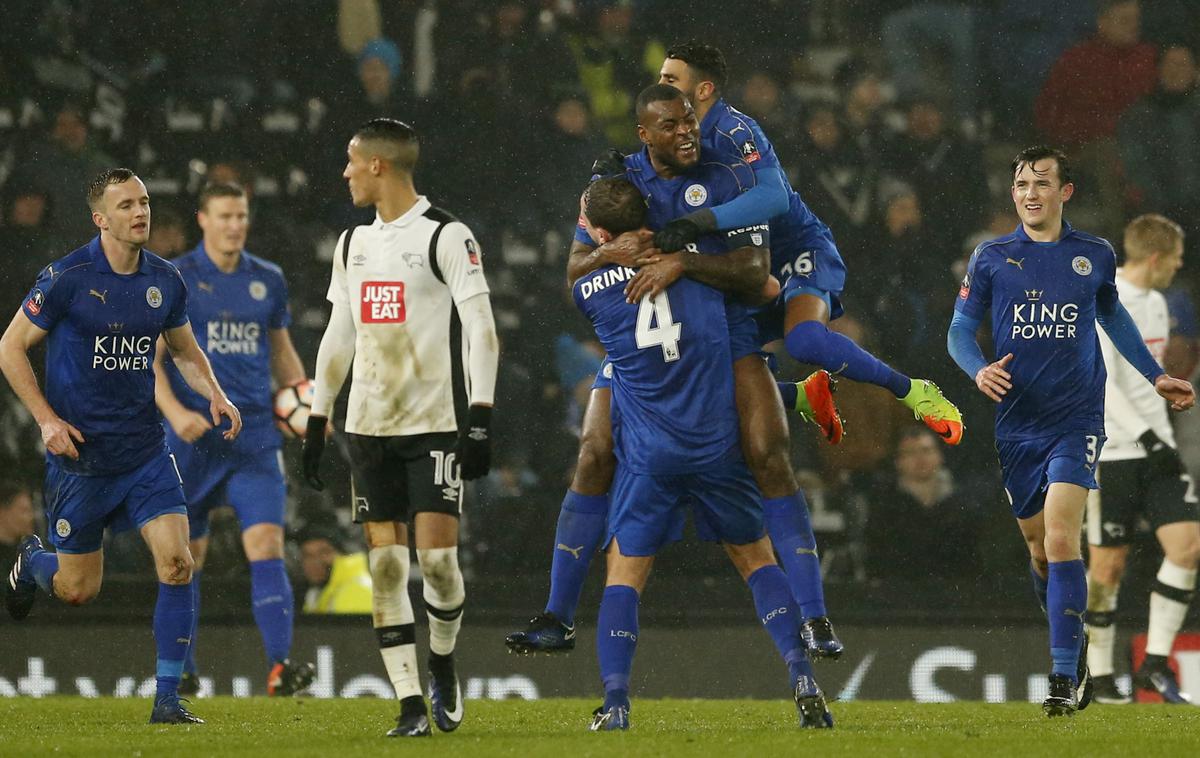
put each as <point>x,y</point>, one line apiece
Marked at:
<point>1018,263</point>
<point>205,287</point>
<point>574,551</point>
<point>102,296</point>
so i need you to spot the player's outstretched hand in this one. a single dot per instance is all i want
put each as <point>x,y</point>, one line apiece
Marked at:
<point>314,446</point>
<point>993,380</point>
<point>1177,392</point>
<point>612,163</point>
<point>60,438</point>
<point>189,426</point>
<point>653,278</point>
<point>629,248</point>
<point>677,235</point>
<point>220,406</point>
<point>474,448</point>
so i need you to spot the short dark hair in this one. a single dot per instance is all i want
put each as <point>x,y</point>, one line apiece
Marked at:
<point>1031,155</point>
<point>219,189</point>
<point>655,93</point>
<point>615,205</point>
<point>706,59</point>
<point>95,192</point>
<point>401,138</point>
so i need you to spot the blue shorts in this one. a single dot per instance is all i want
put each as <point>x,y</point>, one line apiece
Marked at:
<point>811,266</point>
<point>215,474</point>
<point>647,511</point>
<point>80,508</point>
<point>1030,466</point>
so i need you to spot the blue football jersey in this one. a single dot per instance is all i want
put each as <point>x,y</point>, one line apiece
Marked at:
<point>673,409</point>
<point>103,327</point>
<point>802,245</point>
<point>231,315</point>
<point>1042,298</point>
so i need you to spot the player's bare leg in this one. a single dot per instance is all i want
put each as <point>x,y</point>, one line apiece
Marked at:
<point>1106,567</point>
<point>764,434</point>
<point>1173,590</point>
<point>755,563</point>
<point>580,532</point>
<point>174,613</point>
<point>392,616</point>
<point>806,324</point>
<point>444,593</point>
<point>617,634</point>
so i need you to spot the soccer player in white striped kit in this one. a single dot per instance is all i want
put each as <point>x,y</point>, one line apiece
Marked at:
<point>1141,476</point>
<point>411,314</point>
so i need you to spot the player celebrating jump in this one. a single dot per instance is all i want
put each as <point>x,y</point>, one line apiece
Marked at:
<point>1045,286</point>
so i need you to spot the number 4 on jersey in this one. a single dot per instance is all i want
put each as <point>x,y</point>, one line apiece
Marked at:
<point>655,326</point>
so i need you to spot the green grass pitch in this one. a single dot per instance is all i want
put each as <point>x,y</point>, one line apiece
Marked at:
<point>65,726</point>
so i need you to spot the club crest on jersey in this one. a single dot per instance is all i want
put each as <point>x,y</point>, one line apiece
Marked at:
<point>34,304</point>
<point>383,303</point>
<point>154,297</point>
<point>965,288</point>
<point>695,195</point>
<point>413,260</point>
<point>608,371</point>
<point>258,290</point>
<point>472,252</point>
<point>750,151</point>
<point>1081,265</point>
<point>62,528</point>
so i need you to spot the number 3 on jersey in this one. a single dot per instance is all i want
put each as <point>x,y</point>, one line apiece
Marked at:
<point>655,326</point>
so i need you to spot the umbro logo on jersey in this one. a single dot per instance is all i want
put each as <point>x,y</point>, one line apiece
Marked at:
<point>413,260</point>
<point>450,494</point>
<point>1019,263</point>
<point>358,260</point>
<point>101,296</point>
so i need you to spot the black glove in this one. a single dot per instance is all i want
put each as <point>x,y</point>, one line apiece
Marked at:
<point>474,448</point>
<point>611,163</point>
<point>314,445</point>
<point>1161,458</point>
<point>677,235</point>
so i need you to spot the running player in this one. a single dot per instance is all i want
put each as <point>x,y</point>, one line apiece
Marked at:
<point>675,430</point>
<point>1142,476</point>
<point>239,313</point>
<point>411,313</point>
<point>101,310</point>
<point>1045,286</point>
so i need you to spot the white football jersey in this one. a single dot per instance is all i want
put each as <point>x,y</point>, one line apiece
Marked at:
<point>402,281</point>
<point>1131,406</point>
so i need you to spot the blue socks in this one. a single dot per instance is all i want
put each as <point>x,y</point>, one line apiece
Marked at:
<point>777,612</point>
<point>189,661</point>
<point>1039,588</point>
<point>789,391</point>
<point>812,342</point>
<point>790,531</point>
<point>616,641</point>
<point>44,566</point>
<point>1068,602</point>
<point>173,619</point>
<point>274,605</point>
<point>582,526</point>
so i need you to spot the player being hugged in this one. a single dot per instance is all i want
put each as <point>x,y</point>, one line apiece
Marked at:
<point>1045,287</point>
<point>101,310</point>
<point>411,313</point>
<point>239,314</point>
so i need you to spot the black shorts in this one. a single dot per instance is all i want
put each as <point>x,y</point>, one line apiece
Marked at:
<point>1128,492</point>
<point>396,477</point>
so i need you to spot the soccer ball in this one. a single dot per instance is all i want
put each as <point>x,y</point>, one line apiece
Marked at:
<point>292,405</point>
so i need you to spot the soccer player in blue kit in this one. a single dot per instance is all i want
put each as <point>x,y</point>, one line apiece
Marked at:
<point>669,128</point>
<point>676,435</point>
<point>238,310</point>
<point>1045,287</point>
<point>101,310</point>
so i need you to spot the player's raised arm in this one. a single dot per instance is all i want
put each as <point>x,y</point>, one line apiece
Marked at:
<point>196,371</point>
<point>189,425</point>
<point>58,435</point>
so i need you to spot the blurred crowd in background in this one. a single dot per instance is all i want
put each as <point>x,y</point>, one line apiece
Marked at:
<point>895,120</point>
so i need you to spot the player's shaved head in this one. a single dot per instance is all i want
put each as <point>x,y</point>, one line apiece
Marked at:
<point>107,178</point>
<point>705,60</point>
<point>390,140</point>
<point>1031,155</point>
<point>1151,233</point>
<point>655,93</point>
<point>615,205</point>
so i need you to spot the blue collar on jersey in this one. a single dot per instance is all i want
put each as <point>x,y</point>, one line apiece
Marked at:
<point>714,114</point>
<point>207,264</point>
<point>100,260</point>
<point>1067,230</point>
